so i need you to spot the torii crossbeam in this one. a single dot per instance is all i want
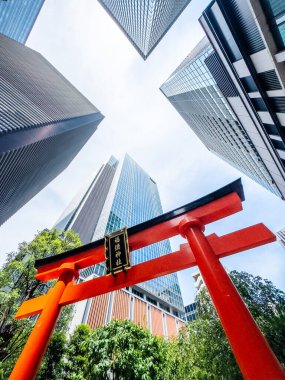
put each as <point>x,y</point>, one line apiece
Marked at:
<point>253,354</point>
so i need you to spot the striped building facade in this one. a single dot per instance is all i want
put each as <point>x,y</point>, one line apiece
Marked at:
<point>44,123</point>
<point>17,18</point>
<point>249,38</point>
<point>144,22</point>
<point>281,235</point>
<point>205,95</point>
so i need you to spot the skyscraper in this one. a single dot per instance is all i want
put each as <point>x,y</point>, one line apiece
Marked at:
<point>191,309</point>
<point>204,94</point>
<point>17,17</point>
<point>190,312</point>
<point>199,282</point>
<point>44,122</point>
<point>272,14</point>
<point>281,235</point>
<point>123,194</point>
<point>144,22</point>
<point>248,36</point>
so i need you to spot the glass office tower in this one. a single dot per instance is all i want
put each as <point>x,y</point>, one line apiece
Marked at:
<point>17,17</point>
<point>247,38</point>
<point>123,194</point>
<point>44,122</point>
<point>281,235</point>
<point>190,312</point>
<point>204,94</point>
<point>274,11</point>
<point>144,22</point>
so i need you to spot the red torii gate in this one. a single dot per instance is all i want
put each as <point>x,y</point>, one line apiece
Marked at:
<point>252,352</point>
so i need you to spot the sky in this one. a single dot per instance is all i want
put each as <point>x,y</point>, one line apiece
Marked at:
<point>88,48</point>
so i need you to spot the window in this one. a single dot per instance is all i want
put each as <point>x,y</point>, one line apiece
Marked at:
<point>249,84</point>
<point>258,104</point>
<point>150,300</point>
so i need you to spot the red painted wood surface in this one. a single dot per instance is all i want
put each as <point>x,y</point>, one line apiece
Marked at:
<point>234,242</point>
<point>252,352</point>
<point>29,361</point>
<point>208,213</point>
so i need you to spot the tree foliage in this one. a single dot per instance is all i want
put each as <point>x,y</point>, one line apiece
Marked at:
<point>202,350</point>
<point>18,283</point>
<point>77,354</point>
<point>53,362</point>
<point>120,350</point>
<point>267,306</point>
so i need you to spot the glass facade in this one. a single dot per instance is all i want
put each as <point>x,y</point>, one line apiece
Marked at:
<point>137,200</point>
<point>190,312</point>
<point>193,90</point>
<point>44,122</point>
<point>144,22</point>
<point>132,198</point>
<point>275,15</point>
<point>281,235</point>
<point>17,17</point>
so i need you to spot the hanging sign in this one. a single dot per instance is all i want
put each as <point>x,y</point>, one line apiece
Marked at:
<point>117,252</point>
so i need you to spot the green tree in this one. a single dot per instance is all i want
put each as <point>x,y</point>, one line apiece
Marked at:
<point>53,361</point>
<point>18,283</point>
<point>76,355</point>
<point>202,350</point>
<point>120,350</point>
<point>267,306</point>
